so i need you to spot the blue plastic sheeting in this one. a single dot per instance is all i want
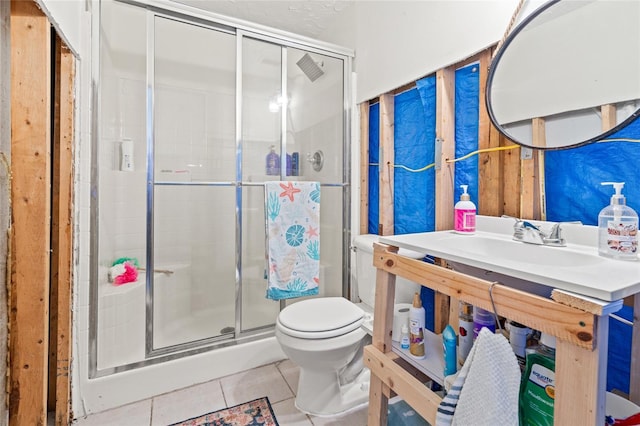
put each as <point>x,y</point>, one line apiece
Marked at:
<point>374,187</point>
<point>573,192</point>
<point>619,353</point>
<point>414,133</point>
<point>573,177</point>
<point>467,103</point>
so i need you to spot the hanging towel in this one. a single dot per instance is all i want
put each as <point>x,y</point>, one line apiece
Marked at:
<point>486,389</point>
<point>293,238</point>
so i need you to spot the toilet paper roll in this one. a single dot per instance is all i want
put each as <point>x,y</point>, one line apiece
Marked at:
<point>400,317</point>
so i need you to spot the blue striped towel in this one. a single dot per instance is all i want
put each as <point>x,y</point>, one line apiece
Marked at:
<point>491,368</point>
<point>293,238</point>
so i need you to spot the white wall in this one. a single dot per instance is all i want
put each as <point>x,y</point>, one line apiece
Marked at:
<point>397,42</point>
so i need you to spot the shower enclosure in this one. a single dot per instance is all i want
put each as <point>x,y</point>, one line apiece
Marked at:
<point>187,109</point>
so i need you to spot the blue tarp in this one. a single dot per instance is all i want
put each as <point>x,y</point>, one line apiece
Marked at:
<point>573,191</point>
<point>414,133</point>
<point>467,99</point>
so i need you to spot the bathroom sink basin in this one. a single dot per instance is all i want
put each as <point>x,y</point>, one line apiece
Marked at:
<point>515,251</point>
<point>492,254</point>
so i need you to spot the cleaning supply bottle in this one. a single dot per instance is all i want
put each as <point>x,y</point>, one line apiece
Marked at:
<point>618,227</point>
<point>482,318</point>
<point>404,337</point>
<point>449,351</point>
<point>464,214</point>
<point>273,162</point>
<point>537,389</point>
<point>518,335</point>
<point>465,339</point>
<point>416,328</point>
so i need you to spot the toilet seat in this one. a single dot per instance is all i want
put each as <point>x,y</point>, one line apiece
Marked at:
<point>320,318</point>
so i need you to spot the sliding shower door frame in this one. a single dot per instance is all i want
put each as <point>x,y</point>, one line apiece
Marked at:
<point>202,19</point>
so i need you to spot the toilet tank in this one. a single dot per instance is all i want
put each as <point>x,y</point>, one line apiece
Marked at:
<point>365,272</point>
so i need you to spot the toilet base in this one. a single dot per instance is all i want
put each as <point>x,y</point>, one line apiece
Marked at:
<point>320,394</point>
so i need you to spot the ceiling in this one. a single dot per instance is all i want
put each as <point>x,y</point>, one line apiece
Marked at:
<point>308,18</point>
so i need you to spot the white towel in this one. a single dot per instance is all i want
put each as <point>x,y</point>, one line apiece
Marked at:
<point>293,238</point>
<point>486,389</point>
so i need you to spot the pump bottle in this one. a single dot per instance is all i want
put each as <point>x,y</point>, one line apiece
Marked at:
<point>464,214</point>
<point>618,227</point>
<point>273,162</point>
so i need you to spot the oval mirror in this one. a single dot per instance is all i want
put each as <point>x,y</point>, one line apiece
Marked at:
<point>568,75</point>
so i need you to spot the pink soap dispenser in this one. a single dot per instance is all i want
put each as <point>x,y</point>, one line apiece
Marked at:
<point>464,214</point>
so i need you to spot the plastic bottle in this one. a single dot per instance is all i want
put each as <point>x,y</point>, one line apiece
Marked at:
<point>518,334</point>
<point>537,389</point>
<point>416,328</point>
<point>482,318</point>
<point>289,165</point>
<point>295,164</point>
<point>465,334</point>
<point>273,162</point>
<point>618,227</point>
<point>404,337</point>
<point>449,351</point>
<point>464,214</point>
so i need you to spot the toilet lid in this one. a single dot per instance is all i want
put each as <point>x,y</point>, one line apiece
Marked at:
<point>322,314</point>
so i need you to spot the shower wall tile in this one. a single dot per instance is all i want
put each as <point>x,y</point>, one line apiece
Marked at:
<point>81,317</point>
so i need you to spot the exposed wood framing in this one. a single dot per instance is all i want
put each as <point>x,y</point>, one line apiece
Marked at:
<point>490,166</point>
<point>5,191</point>
<point>609,120</point>
<point>539,139</point>
<point>511,173</point>
<point>31,205</point>
<point>364,167</point>
<point>387,161</point>
<point>532,205</point>
<point>445,131</point>
<point>61,237</point>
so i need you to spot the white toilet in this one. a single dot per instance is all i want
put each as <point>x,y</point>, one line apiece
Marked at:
<point>325,337</point>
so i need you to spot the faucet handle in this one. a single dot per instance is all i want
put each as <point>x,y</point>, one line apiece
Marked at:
<point>555,236</point>
<point>556,232</point>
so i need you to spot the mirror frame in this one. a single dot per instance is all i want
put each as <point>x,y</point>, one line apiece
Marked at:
<point>509,39</point>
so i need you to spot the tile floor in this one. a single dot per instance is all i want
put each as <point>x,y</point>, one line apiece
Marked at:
<point>277,381</point>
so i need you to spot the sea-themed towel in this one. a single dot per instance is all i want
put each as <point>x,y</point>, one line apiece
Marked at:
<point>293,238</point>
<point>486,389</point>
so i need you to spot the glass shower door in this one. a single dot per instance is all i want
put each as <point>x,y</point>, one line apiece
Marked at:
<point>192,185</point>
<point>293,103</point>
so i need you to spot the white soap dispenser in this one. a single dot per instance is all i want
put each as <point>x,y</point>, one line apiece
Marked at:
<point>464,221</point>
<point>618,227</point>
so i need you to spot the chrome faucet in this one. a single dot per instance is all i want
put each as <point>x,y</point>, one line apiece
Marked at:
<point>527,232</point>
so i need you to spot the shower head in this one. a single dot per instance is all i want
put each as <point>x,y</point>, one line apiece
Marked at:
<point>310,68</point>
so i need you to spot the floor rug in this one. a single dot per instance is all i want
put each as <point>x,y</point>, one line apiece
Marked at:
<point>253,413</point>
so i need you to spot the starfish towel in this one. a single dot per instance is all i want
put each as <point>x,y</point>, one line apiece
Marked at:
<point>293,239</point>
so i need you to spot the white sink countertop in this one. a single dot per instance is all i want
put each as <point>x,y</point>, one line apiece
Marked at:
<point>576,268</point>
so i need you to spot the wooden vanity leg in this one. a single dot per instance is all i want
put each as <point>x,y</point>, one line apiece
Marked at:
<point>634,379</point>
<point>378,402</point>
<point>382,329</point>
<point>581,378</point>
